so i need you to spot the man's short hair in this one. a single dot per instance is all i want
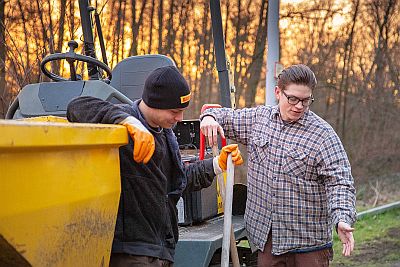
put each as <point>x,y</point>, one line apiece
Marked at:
<point>297,74</point>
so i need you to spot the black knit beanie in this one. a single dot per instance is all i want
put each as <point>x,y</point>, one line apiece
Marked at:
<point>166,88</point>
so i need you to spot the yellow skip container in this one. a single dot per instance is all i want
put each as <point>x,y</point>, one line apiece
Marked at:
<point>59,192</point>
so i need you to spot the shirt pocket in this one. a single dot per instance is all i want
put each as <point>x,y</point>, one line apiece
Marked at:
<point>295,162</point>
<point>259,147</point>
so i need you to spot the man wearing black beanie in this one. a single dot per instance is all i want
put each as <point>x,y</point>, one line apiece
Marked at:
<point>154,178</point>
<point>166,88</point>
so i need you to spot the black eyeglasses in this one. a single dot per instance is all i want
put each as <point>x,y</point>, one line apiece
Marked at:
<point>292,100</point>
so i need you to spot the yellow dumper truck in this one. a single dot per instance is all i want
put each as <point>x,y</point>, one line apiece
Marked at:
<point>60,181</point>
<point>59,192</point>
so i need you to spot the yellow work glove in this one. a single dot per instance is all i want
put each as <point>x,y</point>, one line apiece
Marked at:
<point>143,140</point>
<point>233,149</point>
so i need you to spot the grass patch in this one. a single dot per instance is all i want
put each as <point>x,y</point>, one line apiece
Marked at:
<point>377,240</point>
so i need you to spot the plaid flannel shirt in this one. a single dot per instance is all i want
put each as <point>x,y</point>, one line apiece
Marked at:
<point>299,177</point>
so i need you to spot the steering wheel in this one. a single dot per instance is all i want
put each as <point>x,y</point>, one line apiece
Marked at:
<point>71,57</point>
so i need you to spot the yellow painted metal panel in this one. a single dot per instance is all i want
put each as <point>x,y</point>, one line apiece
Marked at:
<point>59,190</point>
<point>46,119</point>
<point>31,134</point>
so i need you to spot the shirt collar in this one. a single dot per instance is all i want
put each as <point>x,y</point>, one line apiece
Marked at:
<point>276,114</point>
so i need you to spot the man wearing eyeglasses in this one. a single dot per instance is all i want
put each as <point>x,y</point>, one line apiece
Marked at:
<point>299,178</point>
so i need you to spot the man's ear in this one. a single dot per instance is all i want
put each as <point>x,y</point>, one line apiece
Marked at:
<point>277,93</point>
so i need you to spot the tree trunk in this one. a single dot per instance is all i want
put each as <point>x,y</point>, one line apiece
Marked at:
<point>227,6</point>
<point>184,15</point>
<point>26,41</point>
<point>346,70</point>
<point>203,89</point>
<point>123,31</point>
<point>171,31</point>
<point>256,64</point>
<point>151,26</point>
<point>117,34</point>
<point>61,27</point>
<point>160,26</point>
<point>51,40</point>
<point>135,25</point>
<point>3,100</point>
<point>72,20</point>
<point>45,38</point>
<point>236,62</point>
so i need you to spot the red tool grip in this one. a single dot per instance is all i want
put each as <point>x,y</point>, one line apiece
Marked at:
<point>202,137</point>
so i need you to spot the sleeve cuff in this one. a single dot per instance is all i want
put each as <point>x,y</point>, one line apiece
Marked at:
<point>342,218</point>
<point>205,115</point>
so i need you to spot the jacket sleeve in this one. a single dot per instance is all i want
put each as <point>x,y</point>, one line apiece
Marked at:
<point>199,174</point>
<point>89,109</point>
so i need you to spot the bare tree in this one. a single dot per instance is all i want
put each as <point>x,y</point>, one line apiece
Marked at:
<point>60,32</point>
<point>344,84</point>
<point>24,25</point>
<point>354,60</point>
<point>241,22</point>
<point>203,34</point>
<point>72,20</point>
<point>254,69</point>
<point>151,26</point>
<point>160,26</point>
<point>227,8</point>
<point>171,29</point>
<point>184,13</point>
<point>135,25</point>
<point>3,103</point>
<point>118,32</point>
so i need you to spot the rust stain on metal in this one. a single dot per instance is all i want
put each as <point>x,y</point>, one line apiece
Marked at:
<point>78,236</point>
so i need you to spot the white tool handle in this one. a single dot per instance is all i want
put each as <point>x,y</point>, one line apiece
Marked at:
<point>230,173</point>
<point>221,185</point>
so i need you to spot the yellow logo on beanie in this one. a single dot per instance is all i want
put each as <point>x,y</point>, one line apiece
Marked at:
<point>185,98</point>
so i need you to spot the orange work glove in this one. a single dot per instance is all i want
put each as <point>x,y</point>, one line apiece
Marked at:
<point>143,140</point>
<point>223,156</point>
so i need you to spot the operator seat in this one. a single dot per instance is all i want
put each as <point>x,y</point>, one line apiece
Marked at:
<point>129,75</point>
<point>52,98</point>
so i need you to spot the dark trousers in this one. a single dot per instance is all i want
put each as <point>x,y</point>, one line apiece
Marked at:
<point>127,260</point>
<point>319,258</point>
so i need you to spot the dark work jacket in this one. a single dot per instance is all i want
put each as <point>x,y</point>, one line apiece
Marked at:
<point>147,222</point>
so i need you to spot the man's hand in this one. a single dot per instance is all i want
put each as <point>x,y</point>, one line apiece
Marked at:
<point>210,129</point>
<point>345,233</point>
<point>233,149</point>
<point>143,140</point>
